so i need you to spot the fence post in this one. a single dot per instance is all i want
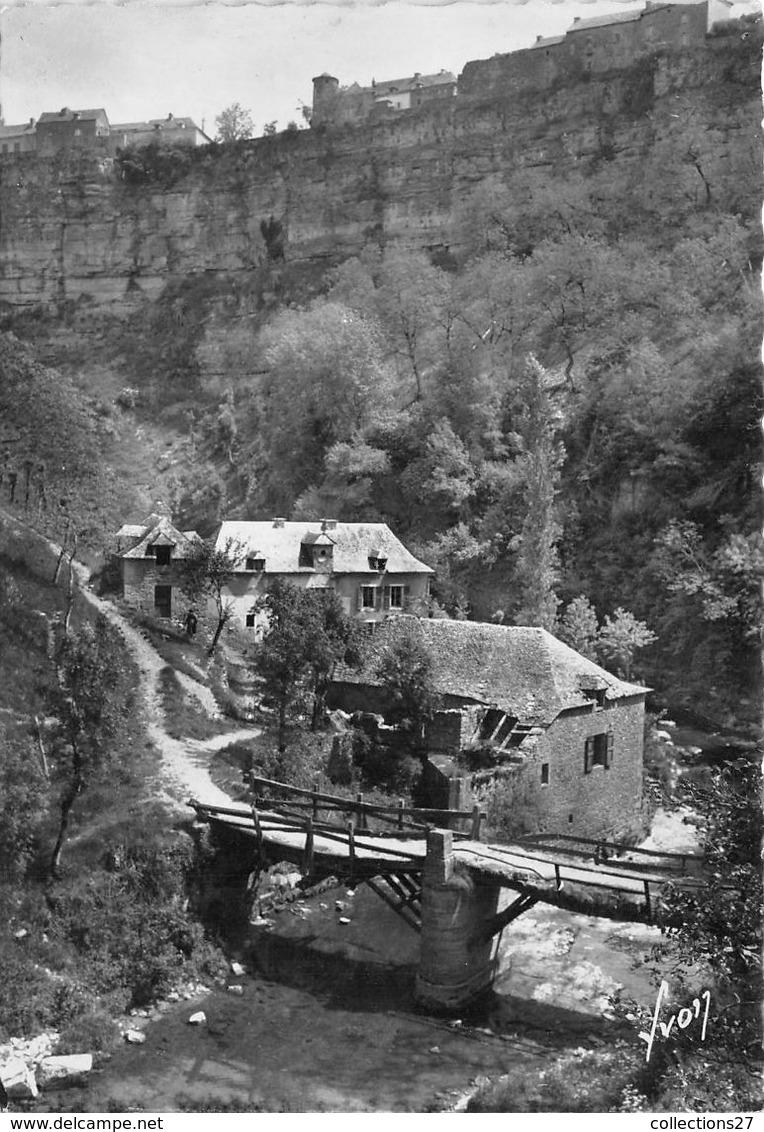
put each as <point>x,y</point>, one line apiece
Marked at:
<point>315,800</point>
<point>351,847</point>
<point>360,813</point>
<point>307,858</point>
<point>647,900</point>
<point>476,816</point>
<point>258,828</point>
<point>400,813</point>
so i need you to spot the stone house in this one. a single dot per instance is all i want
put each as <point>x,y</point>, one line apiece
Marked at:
<point>169,131</point>
<point>149,553</point>
<point>335,105</point>
<point>370,570</point>
<point>523,714</point>
<point>18,139</point>
<point>595,45</point>
<point>72,130</point>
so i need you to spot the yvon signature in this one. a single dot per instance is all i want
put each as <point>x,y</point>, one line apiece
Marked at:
<point>682,1019</point>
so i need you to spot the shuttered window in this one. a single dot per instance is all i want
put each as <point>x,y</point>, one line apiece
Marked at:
<point>598,751</point>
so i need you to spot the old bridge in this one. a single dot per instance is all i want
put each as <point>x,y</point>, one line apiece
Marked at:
<point>446,882</point>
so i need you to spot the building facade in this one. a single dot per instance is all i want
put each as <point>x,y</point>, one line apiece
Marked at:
<point>523,717</point>
<point>150,553</point>
<point>369,569</point>
<point>72,130</point>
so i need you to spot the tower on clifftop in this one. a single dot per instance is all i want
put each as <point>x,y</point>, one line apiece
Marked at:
<point>325,94</point>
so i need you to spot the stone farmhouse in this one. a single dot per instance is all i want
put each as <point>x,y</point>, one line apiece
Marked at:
<point>149,553</point>
<point>521,710</point>
<point>370,570</point>
<point>591,45</point>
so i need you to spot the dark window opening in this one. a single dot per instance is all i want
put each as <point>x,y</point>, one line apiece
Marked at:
<point>162,555</point>
<point>545,774</point>
<point>570,819</point>
<point>368,597</point>
<point>377,563</point>
<point>396,597</point>
<point>257,564</point>
<point>598,751</point>
<point>249,620</point>
<point>163,601</point>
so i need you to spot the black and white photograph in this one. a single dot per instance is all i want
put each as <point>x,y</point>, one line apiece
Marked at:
<point>381,557</point>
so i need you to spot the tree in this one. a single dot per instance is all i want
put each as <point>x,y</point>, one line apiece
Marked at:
<point>205,574</point>
<point>325,382</point>
<point>234,124</point>
<point>88,701</point>
<point>714,937</point>
<point>405,669</point>
<point>270,128</point>
<point>578,627</point>
<point>619,638</point>
<point>308,634</point>
<point>537,561</point>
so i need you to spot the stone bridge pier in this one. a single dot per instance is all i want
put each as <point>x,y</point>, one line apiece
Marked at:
<point>459,920</point>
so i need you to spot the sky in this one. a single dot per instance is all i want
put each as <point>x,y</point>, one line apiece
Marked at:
<point>140,60</point>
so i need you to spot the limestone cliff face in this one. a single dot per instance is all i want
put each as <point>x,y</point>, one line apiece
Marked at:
<point>680,125</point>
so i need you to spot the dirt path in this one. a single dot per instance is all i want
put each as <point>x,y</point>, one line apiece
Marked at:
<point>184,769</point>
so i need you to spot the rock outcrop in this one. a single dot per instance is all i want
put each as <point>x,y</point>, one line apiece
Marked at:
<point>111,236</point>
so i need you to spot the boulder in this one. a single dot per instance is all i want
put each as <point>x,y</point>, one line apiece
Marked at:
<point>236,988</point>
<point>237,969</point>
<point>18,1079</point>
<point>59,1071</point>
<point>197,1019</point>
<point>135,1037</point>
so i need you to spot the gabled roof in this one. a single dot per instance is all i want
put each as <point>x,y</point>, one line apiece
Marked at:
<point>524,671</point>
<point>354,543</point>
<point>17,131</point>
<point>157,531</point>
<point>67,115</point>
<point>603,21</point>
<point>413,82</point>
<point>548,41</point>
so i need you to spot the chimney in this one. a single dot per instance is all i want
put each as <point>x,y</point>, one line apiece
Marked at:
<point>279,522</point>
<point>328,524</point>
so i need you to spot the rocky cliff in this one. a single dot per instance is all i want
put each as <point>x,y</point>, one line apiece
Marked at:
<point>112,236</point>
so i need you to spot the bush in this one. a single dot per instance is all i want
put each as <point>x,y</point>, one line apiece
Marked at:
<point>92,1032</point>
<point>582,1081</point>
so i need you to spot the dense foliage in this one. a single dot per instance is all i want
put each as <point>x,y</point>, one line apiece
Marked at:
<point>565,412</point>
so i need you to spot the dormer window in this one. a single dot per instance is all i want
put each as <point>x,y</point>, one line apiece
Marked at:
<point>256,564</point>
<point>162,554</point>
<point>376,563</point>
<point>317,552</point>
<point>596,693</point>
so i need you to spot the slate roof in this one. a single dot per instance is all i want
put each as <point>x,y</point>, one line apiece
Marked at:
<point>524,671</point>
<point>548,41</point>
<point>156,530</point>
<point>412,82</point>
<point>17,131</point>
<point>604,21</point>
<point>67,115</point>
<point>353,543</point>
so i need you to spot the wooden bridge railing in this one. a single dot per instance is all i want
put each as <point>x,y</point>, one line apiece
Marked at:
<point>395,816</point>
<point>603,849</point>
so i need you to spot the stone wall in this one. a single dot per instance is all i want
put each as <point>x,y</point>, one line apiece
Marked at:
<point>139,579</point>
<point>606,802</point>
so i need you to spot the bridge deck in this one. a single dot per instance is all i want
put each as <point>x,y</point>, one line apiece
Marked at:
<point>615,890</point>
